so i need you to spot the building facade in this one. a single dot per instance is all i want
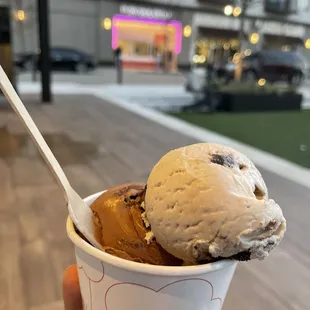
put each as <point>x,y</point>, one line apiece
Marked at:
<point>176,31</point>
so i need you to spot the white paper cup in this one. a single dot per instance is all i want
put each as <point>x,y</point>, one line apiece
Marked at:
<point>111,283</point>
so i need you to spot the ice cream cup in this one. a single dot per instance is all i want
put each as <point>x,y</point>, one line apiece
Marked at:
<point>112,283</point>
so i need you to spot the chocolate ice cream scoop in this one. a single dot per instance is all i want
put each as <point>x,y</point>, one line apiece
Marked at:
<point>120,228</point>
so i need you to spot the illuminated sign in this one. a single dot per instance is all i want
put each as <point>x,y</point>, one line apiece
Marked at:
<point>145,12</point>
<point>174,23</point>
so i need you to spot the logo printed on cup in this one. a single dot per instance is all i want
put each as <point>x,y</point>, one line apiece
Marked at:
<point>158,297</point>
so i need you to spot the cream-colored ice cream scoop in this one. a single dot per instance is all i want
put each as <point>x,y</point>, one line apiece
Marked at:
<point>207,201</point>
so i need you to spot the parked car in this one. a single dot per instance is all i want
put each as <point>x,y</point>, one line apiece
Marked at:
<point>62,58</point>
<point>274,66</point>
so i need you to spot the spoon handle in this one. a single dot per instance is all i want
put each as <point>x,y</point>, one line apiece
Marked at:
<point>33,130</point>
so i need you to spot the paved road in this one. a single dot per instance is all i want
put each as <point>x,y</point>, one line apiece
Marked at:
<point>171,98</point>
<point>108,76</point>
<point>161,97</point>
<point>100,145</point>
<point>160,91</point>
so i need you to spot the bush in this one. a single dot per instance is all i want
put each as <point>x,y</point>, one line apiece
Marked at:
<point>237,87</point>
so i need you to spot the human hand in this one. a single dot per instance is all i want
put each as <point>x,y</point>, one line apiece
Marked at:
<point>71,289</point>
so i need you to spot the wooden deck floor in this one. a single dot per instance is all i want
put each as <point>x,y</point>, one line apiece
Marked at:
<point>100,145</point>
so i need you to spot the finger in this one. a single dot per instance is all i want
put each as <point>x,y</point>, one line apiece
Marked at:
<point>71,289</point>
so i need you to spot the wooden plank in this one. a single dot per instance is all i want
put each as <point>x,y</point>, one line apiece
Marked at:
<point>47,212</point>
<point>86,180</point>
<point>247,293</point>
<point>56,305</point>
<point>30,171</point>
<point>61,257</point>
<point>14,124</point>
<point>42,222</point>
<point>39,278</point>
<point>101,145</point>
<point>12,295</point>
<point>110,166</point>
<point>284,276</point>
<point>7,193</point>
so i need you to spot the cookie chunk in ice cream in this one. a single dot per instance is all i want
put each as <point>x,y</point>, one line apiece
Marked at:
<point>206,201</point>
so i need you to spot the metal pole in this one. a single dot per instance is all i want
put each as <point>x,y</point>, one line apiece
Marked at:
<point>98,33</point>
<point>35,46</point>
<point>34,67</point>
<point>238,70</point>
<point>242,24</point>
<point>119,69</point>
<point>44,63</point>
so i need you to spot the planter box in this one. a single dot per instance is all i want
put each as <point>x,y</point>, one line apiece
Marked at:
<point>240,102</point>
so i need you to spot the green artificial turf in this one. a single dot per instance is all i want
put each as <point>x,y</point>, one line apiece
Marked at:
<point>286,134</point>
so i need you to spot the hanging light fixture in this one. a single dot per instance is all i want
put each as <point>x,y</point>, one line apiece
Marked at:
<point>20,15</point>
<point>254,38</point>
<point>228,10</point>
<point>187,31</point>
<point>106,23</point>
<point>237,11</point>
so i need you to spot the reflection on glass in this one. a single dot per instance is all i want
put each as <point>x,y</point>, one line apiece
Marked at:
<point>215,50</point>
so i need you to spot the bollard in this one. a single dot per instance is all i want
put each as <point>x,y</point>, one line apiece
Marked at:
<point>118,65</point>
<point>34,67</point>
<point>119,71</point>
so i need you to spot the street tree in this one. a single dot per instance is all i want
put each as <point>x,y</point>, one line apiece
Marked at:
<point>243,36</point>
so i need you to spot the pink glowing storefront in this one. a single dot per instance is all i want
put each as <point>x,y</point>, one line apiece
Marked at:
<point>147,43</point>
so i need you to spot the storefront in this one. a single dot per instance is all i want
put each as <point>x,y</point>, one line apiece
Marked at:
<point>215,45</point>
<point>284,36</point>
<point>150,33</point>
<point>150,38</point>
<point>216,37</point>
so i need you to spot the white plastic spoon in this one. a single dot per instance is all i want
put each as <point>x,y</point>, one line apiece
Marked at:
<point>79,212</point>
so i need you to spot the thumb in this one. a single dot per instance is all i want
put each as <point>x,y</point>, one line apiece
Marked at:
<point>71,289</point>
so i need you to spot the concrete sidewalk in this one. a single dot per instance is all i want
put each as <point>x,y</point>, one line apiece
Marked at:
<point>161,91</point>
<point>100,145</point>
<point>107,75</point>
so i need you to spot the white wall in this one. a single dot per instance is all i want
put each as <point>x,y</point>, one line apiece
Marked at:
<point>76,31</point>
<point>72,23</point>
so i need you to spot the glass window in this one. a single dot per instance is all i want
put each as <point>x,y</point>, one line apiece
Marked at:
<point>276,5</point>
<point>303,5</point>
<point>141,49</point>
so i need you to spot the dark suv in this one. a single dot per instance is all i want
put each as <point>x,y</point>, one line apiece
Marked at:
<point>274,66</point>
<point>64,58</point>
